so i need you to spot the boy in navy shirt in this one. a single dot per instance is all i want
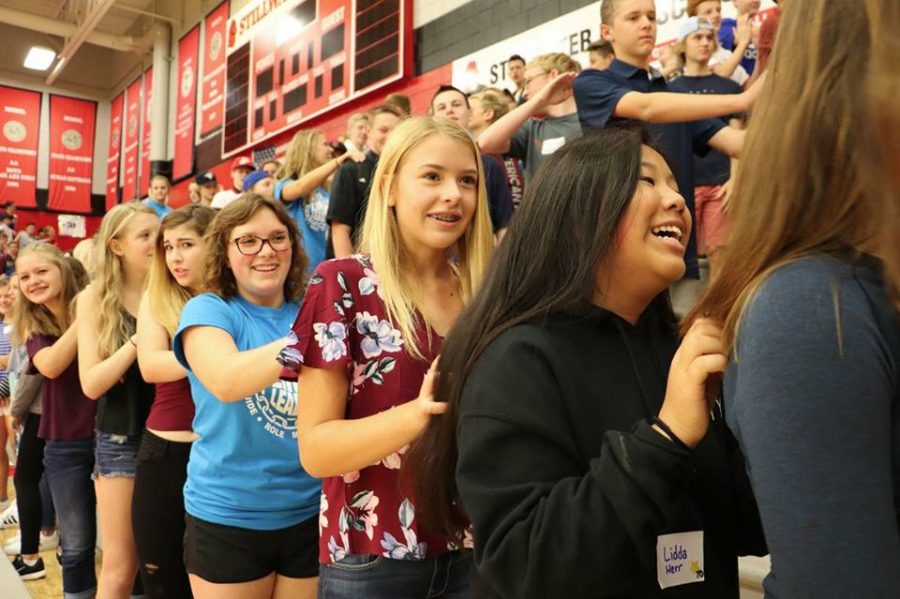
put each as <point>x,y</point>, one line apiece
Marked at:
<point>681,123</point>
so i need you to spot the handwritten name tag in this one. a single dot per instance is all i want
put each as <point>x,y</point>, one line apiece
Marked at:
<point>679,559</point>
<point>551,145</point>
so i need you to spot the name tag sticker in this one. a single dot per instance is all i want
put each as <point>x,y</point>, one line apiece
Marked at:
<point>551,145</point>
<point>679,559</point>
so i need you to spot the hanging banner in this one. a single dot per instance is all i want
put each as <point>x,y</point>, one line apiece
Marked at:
<point>571,34</point>
<point>72,124</point>
<point>144,184</point>
<point>20,117</point>
<point>186,105</point>
<point>71,225</point>
<point>113,152</point>
<point>132,121</point>
<point>212,95</point>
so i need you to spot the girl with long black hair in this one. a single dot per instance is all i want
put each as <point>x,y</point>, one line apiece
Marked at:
<point>578,438</point>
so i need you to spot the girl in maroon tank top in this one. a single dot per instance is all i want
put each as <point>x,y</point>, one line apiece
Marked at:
<point>176,274</point>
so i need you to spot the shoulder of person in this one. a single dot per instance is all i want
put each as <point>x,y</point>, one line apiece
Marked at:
<point>811,290</point>
<point>592,77</point>
<point>206,301</point>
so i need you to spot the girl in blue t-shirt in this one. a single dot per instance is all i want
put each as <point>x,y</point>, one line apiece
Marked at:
<point>303,185</point>
<point>250,508</point>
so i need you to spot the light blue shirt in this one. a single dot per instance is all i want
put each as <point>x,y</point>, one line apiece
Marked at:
<point>310,219</point>
<point>161,210</point>
<point>244,470</point>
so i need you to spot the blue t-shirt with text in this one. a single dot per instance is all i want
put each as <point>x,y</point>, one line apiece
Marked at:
<point>244,470</point>
<point>311,220</point>
<point>726,39</point>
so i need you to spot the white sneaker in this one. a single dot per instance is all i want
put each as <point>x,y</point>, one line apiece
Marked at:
<point>14,545</point>
<point>10,516</point>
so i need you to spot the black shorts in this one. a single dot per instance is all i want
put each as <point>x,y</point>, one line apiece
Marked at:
<point>227,554</point>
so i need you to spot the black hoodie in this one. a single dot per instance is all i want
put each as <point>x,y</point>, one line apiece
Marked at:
<point>566,484</point>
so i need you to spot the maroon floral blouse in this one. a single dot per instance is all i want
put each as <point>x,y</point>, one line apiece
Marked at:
<point>343,320</point>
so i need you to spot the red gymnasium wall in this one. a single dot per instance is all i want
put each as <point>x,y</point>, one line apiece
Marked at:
<point>419,89</point>
<point>43,219</point>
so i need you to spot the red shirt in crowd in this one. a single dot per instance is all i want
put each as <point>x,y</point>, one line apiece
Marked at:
<point>343,320</point>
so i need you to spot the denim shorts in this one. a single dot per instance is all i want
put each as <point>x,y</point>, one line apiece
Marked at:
<point>116,455</point>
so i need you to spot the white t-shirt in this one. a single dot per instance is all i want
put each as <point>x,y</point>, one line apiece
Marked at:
<point>721,54</point>
<point>223,198</point>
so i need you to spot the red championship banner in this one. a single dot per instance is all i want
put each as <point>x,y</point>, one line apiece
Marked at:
<point>20,117</point>
<point>212,94</point>
<point>186,105</point>
<point>72,125</point>
<point>115,145</point>
<point>131,122</point>
<point>292,60</point>
<point>144,184</point>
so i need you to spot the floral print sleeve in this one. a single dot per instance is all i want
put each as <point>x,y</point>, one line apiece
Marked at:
<point>343,320</point>
<point>320,335</point>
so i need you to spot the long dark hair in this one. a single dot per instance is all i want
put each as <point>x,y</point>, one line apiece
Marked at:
<point>547,265</point>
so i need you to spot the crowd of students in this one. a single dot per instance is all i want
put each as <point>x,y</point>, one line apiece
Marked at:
<point>389,373</point>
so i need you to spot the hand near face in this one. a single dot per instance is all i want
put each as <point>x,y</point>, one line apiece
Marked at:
<point>694,382</point>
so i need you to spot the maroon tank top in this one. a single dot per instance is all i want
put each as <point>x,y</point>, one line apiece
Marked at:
<point>173,408</point>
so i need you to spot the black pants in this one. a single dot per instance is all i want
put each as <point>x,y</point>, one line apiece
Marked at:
<point>157,516</point>
<point>29,469</point>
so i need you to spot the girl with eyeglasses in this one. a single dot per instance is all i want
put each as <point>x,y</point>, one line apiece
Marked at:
<point>370,326</point>
<point>251,527</point>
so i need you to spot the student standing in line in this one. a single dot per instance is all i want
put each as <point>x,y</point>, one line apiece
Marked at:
<point>368,329</point>
<point>6,303</point>
<point>157,509</point>
<point>304,183</point>
<point>712,172</point>
<point>577,434</point>
<point>808,294</point>
<point>107,351</point>
<point>44,320</point>
<point>251,511</point>
<point>724,62</point>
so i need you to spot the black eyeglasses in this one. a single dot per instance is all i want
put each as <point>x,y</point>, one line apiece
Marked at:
<point>250,245</point>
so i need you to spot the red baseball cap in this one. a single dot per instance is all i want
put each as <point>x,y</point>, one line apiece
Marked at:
<point>242,162</point>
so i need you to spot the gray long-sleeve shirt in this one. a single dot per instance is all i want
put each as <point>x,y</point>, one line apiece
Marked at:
<point>814,400</point>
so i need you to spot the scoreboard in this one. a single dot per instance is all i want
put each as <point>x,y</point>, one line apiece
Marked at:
<point>291,60</point>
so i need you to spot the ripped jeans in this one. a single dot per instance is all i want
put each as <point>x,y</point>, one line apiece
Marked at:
<point>157,516</point>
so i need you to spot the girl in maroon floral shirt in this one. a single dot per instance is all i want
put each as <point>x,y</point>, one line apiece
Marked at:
<point>367,331</point>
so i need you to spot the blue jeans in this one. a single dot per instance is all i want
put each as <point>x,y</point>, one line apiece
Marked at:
<point>68,465</point>
<point>116,455</point>
<point>377,577</point>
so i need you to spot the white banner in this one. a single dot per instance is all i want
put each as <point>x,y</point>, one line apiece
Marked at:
<point>571,33</point>
<point>71,225</point>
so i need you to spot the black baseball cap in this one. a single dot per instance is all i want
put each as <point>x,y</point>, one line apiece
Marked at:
<point>207,178</point>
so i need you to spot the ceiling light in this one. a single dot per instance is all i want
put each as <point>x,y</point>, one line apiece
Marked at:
<point>39,59</point>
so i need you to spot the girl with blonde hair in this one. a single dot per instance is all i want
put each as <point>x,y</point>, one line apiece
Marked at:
<point>44,320</point>
<point>368,329</point>
<point>807,298</point>
<point>107,351</point>
<point>250,524</point>
<point>175,276</point>
<point>303,185</point>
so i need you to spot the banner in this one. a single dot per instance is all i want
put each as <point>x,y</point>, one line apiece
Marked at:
<point>571,34</point>
<point>20,117</point>
<point>132,121</point>
<point>72,123</point>
<point>71,225</point>
<point>212,96</point>
<point>144,184</point>
<point>114,151</point>
<point>186,105</point>
<point>292,60</point>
